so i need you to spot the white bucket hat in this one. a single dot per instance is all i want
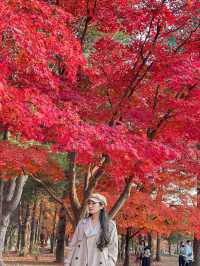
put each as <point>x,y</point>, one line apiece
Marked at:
<point>96,197</point>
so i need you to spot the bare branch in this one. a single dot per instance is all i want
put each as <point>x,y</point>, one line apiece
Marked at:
<point>72,179</point>
<point>122,198</point>
<point>87,178</point>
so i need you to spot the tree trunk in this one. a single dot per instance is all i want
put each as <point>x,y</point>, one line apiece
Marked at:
<point>61,236</point>
<point>53,232</point>
<point>127,248</point>
<point>19,228</point>
<point>6,241</point>
<point>40,222</point>
<point>169,247</point>
<point>122,247</point>
<point>196,252</point>
<point>11,238</point>
<point>150,244</point>
<point>197,241</point>
<point>33,227</point>
<point>4,222</point>
<point>158,248</point>
<point>24,230</point>
<point>61,227</point>
<point>10,195</point>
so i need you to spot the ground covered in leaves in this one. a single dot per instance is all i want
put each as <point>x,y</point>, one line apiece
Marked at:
<point>49,260</point>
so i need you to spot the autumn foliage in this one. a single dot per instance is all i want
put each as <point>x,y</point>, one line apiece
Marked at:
<point>104,79</point>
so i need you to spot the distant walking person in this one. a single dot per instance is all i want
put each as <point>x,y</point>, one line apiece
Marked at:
<point>182,254</point>
<point>146,258</point>
<point>188,253</point>
<point>140,251</point>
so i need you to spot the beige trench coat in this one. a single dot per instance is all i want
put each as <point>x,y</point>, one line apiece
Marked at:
<point>83,250</point>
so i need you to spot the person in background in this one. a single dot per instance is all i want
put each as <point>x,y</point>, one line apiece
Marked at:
<point>182,254</point>
<point>140,251</point>
<point>188,253</point>
<point>146,258</point>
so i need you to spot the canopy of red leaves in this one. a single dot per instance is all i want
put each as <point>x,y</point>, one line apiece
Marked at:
<point>69,79</point>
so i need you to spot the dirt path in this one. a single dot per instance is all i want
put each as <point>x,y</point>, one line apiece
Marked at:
<point>48,260</point>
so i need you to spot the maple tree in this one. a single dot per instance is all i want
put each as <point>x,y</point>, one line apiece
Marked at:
<point>114,84</point>
<point>162,207</point>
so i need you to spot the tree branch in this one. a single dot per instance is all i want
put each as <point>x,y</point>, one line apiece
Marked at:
<point>12,204</point>
<point>1,196</point>
<point>136,77</point>
<point>87,20</point>
<point>11,189</point>
<point>135,233</point>
<point>53,195</point>
<point>187,39</point>
<point>87,178</point>
<point>151,132</point>
<point>122,198</point>
<point>72,179</point>
<point>96,174</point>
<point>155,102</point>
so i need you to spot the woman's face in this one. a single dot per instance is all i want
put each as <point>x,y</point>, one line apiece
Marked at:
<point>94,207</point>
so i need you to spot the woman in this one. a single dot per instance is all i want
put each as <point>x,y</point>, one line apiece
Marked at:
<point>95,240</point>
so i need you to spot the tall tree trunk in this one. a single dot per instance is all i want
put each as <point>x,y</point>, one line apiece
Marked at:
<point>196,252</point>
<point>158,248</point>
<point>53,232</point>
<point>19,217</point>
<point>122,247</point>
<point>11,237</point>
<point>61,227</point>
<point>150,244</point>
<point>197,241</point>
<point>40,222</point>
<point>24,230</point>
<point>4,222</point>
<point>169,247</point>
<point>6,241</point>
<point>61,236</point>
<point>127,248</point>
<point>33,227</point>
<point>10,195</point>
